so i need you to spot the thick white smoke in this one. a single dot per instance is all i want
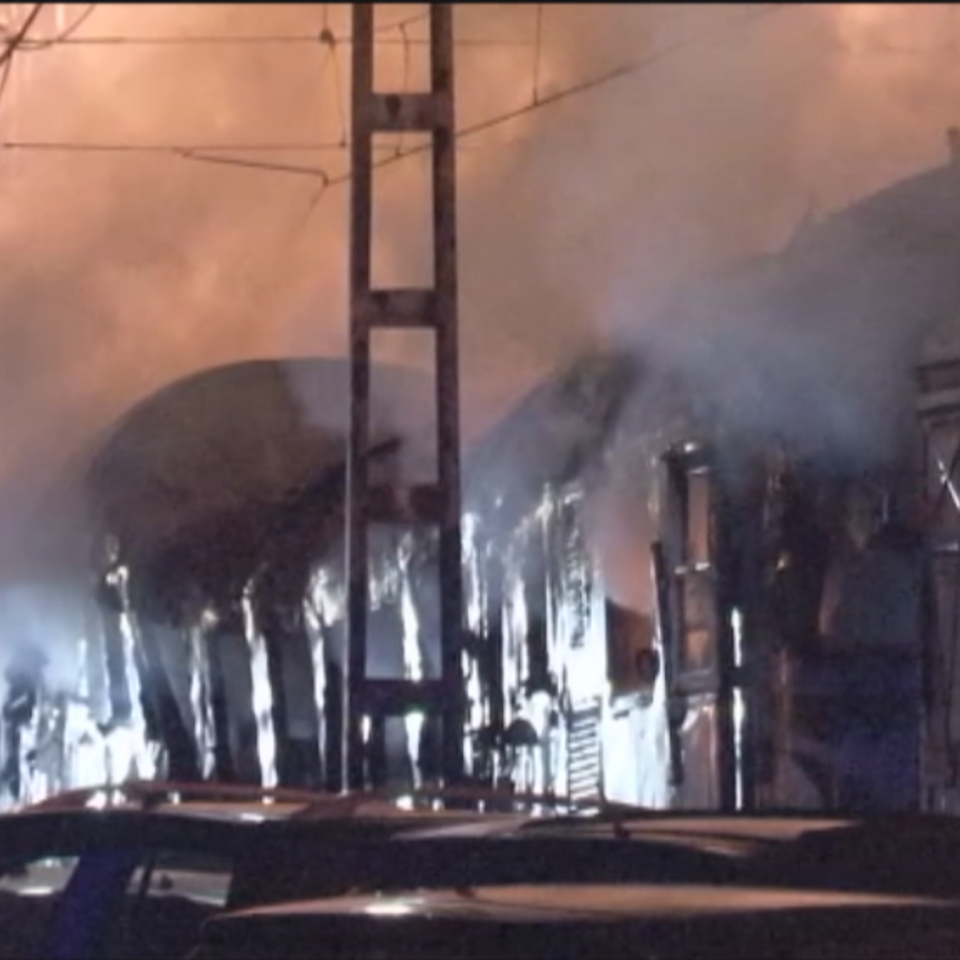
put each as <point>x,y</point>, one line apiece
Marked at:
<point>126,271</point>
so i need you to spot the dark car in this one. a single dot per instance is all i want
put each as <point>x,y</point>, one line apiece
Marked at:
<point>138,872</point>
<point>910,856</point>
<point>893,853</point>
<point>654,921</point>
<point>134,870</point>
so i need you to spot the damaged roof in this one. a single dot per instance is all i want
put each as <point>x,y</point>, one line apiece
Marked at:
<point>240,439</point>
<point>809,342</point>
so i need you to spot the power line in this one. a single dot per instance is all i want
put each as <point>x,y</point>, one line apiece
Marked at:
<point>271,166</point>
<point>337,86</point>
<point>584,86</point>
<point>538,52</point>
<point>263,40</point>
<point>219,153</point>
<point>17,39</point>
<point>65,35</point>
<point>201,153</point>
<point>69,146</point>
<point>215,153</point>
<point>405,82</point>
<point>13,45</point>
<point>405,22</point>
<point>297,229</point>
<point>67,38</point>
<point>5,77</point>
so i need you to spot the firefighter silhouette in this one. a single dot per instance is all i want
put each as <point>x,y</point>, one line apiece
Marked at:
<point>24,677</point>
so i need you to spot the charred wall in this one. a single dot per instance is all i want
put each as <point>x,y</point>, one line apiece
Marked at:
<point>808,616</point>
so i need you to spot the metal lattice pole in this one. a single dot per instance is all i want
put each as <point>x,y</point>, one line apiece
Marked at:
<point>434,309</point>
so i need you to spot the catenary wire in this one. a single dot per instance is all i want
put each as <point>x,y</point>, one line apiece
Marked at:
<point>64,36</point>
<point>13,45</point>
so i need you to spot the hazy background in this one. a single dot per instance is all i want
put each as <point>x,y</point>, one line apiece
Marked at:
<point>126,269</point>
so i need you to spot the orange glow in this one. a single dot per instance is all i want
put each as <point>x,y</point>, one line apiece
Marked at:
<point>127,271</point>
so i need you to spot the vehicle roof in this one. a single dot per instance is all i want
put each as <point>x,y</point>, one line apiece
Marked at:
<point>239,801</point>
<point>559,903</point>
<point>573,922</point>
<point>215,818</point>
<point>148,793</point>
<point>734,834</point>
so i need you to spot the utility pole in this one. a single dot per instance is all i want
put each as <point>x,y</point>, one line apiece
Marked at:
<point>433,309</point>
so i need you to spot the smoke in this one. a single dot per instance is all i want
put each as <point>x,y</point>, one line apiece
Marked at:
<point>39,617</point>
<point>127,271</point>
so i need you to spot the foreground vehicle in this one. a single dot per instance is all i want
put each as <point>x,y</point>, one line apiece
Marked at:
<point>134,871</point>
<point>633,886</point>
<point>587,922</point>
<point>139,874</point>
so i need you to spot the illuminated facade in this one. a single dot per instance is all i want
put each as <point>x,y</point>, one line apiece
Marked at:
<point>791,652</point>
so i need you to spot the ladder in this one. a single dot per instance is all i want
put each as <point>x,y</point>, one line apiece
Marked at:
<point>367,700</point>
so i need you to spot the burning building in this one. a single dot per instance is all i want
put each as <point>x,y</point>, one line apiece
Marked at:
<point>766,623</point>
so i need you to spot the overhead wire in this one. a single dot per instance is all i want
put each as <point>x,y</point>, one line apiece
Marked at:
<point>269,165</point>
<point>64,35</point>
<point>5,71</point>
<point>12,46</point>
<point>269,281</point>
<point>209,152</point>
<point>14,42</point>
<point>68,39</point>
<point>584,86</point>
<point>201,151</point>
<point>337,87</point>
<point>219,154</point>
<point>537,52</point>
<point>405,22</point>
<point>268,40</point>
<point>71,146</point>
<point>79,146</point>
<point>405,80</point>
<point>626,69</point>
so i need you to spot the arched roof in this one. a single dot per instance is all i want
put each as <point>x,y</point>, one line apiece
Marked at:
<point>235,439</point>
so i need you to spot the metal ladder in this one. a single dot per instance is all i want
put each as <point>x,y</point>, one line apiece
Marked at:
<point>432,309</point>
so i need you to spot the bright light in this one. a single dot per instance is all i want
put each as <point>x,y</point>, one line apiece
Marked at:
<point>392,908</point>
<point>413,724</point>
<point>98,801</point>
<point>736,623</point>
<point>540,707</point>
<point>262,693</point>
<point>739,716</point>
<point>412,657</point>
